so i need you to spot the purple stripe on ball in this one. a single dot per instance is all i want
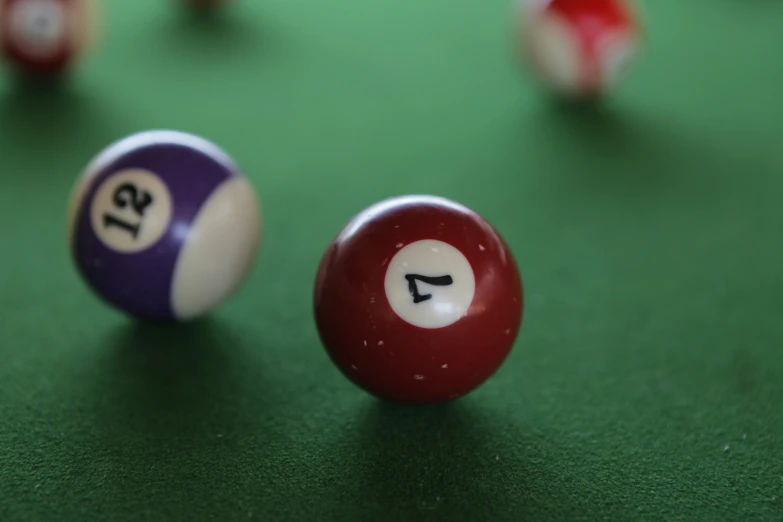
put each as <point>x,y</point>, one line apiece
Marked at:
<point>192,169</point>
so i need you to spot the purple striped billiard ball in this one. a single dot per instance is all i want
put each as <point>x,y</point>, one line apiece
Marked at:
<point>163,225</point>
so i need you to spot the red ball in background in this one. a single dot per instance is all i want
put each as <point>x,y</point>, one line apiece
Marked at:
<point>45,36</point>
<point>418,300</point>
<point>579,48</point>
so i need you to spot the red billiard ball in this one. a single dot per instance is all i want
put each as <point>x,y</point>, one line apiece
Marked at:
<point>418,300</point>
<point>579,48</point>
<point>45,36</point>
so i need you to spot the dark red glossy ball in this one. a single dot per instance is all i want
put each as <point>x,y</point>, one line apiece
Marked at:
<point>43,37</point>
<point>418,300</point>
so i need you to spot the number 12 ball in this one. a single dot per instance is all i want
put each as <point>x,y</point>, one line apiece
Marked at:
<point>163,225</point>
<point>418,300</point>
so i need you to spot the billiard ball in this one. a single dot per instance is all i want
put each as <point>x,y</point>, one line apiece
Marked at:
<point>579,48</point>
<point>418,300</point>
<point>45,36</point>
<point>163,225</point>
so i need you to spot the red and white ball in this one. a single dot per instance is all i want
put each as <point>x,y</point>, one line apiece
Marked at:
<point>45,36</point>
<point>579,48</point>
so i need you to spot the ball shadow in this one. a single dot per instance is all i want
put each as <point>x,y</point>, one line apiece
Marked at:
<point>174,379</point>
<point>611,133</point>
<point>215,32</point>
<point>173,411</point>
<point>447,459</point>
<point>46,118</point>
<point>607,151</point>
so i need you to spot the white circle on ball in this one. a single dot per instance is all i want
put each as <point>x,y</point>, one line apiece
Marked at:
<point>617,53</point>
<point>38,26</point>
<point>556,52</point>
<point>430,284</point>
<point>131,210</point>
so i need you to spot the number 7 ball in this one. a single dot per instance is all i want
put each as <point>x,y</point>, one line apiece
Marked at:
<point>418,300</point>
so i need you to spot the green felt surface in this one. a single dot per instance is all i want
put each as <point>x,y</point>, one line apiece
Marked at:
<point>647,382</point>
